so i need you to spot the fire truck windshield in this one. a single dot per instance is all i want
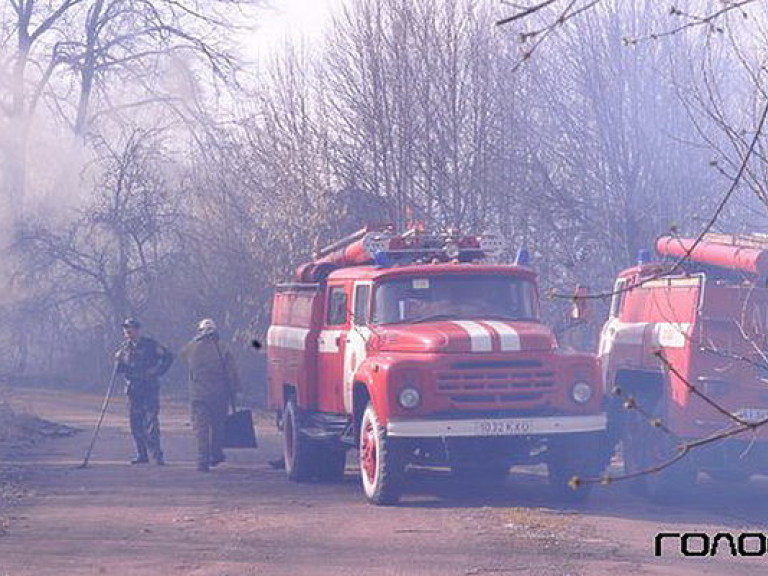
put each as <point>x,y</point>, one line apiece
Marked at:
<point>421,299</point>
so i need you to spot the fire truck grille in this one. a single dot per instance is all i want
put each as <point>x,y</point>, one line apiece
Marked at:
<point>498,387</point>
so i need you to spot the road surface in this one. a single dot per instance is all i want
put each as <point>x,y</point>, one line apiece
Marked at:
<point>244,518</point>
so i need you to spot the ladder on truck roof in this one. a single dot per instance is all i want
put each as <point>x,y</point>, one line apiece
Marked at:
<point>754,240</point>
<point>381,245</point>
<point>354,237</point>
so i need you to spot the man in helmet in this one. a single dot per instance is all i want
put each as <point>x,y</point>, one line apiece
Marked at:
<point>213,383</point>
<point>142,361</point>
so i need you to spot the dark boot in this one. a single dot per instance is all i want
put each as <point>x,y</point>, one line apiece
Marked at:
<point>140,459</point>
<point>142,454</point>
<point>278,464</point>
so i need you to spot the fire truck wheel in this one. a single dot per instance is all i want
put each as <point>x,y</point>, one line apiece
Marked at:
<point>569,460</point>
<point>300,459</point>
<point>380,466</point>
<point>645,447</point>
<point>331,464</point>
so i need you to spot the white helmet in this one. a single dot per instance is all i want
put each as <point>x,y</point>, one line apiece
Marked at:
<point>206,326</point>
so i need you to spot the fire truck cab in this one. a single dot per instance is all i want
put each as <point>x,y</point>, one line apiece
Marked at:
<point>417,350</point>
<point>689,349</point>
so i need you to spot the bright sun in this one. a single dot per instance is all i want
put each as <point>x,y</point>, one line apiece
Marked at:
<point>286,19</point>
<point>305,16</point>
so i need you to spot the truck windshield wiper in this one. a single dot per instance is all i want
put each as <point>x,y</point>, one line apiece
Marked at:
<point>497,317</point>
<point>432,317</point>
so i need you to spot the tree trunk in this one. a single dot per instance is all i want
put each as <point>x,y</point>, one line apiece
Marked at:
<point>19,130</point>
<point>88,71</point>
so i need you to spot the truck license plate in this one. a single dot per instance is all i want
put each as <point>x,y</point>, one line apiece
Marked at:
<point>503,428</point>
<point>752,415</point>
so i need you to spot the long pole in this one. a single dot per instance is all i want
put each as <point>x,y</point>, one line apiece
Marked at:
<point>101,416</point>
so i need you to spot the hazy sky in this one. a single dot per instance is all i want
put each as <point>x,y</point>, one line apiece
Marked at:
<point>285,19</point>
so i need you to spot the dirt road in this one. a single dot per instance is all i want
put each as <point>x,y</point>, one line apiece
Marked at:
<point>245,518</point>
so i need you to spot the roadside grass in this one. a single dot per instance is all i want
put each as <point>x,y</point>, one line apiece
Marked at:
<point>9,488</point>
<point>19,430</point>
<point>8,421</point>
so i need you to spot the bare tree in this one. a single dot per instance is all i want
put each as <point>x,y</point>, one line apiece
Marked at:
<point>96,60</point>
<point>728,120</point>
<point>541,19</point>
<point>610,159</point>
<point>30,23</point>
<point>137,42</point>
<point>411,89</point>
<point>105,264</point>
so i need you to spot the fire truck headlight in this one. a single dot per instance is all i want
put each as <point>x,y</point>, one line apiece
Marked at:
<point>409,397</point>
<point>581,393</point>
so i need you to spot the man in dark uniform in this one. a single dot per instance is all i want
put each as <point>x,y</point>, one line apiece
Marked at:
<point>142,361</point>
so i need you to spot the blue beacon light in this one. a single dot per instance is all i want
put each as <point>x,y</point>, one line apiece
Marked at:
<point>382,259</point>
<point>522,258</point>
<point>643,256</point>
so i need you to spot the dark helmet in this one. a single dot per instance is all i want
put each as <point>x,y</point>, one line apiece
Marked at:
<point>131,323</point>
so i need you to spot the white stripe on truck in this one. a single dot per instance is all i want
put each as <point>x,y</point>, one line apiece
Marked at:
<point>664,334</point>
<point>479,336</point>
<point>290,337</point>
<point>510,339</point>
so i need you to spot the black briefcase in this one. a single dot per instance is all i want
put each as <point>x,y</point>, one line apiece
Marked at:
<point>239,431</point>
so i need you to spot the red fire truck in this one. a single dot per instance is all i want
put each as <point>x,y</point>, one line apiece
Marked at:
<point>689,348</point>
<point>418,351</point>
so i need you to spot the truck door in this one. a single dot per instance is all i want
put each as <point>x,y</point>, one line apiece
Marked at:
<point>331,343</point>
<point>608,334</point>
<point>357,338</point>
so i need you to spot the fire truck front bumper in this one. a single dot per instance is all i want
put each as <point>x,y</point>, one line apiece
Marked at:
<point>526,426</point>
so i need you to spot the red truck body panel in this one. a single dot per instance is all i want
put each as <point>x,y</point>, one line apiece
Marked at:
<point>461,364</point>
<point>709,320</point>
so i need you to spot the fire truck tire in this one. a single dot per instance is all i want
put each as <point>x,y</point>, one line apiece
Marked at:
<point>570,460</point>
<point>300,459</point>
<point>645,447</point>
<point>331,464</point>
<point>381,468</point>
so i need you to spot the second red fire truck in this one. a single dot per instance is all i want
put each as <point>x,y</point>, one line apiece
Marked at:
<point>689,348</point>
<point>417,349</point>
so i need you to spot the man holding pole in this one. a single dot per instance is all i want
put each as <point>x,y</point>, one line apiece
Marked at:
<point>142,361</point>
<point>213,383</point>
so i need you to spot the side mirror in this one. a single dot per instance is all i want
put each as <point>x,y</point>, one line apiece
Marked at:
<point>581,309</point>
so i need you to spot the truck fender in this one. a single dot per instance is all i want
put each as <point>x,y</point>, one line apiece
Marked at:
<point>360,398</point>
<point>372,374</point>
<point>645,387</point>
